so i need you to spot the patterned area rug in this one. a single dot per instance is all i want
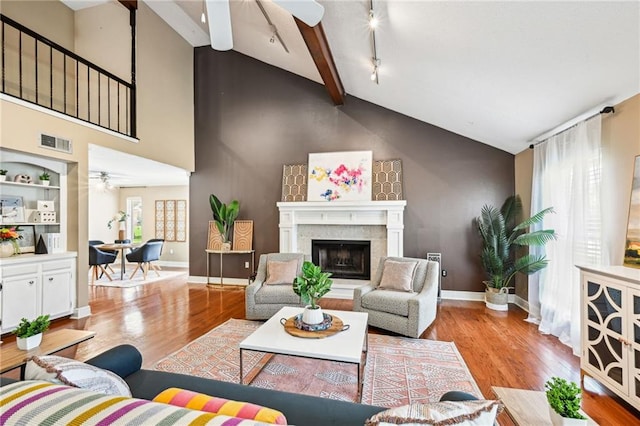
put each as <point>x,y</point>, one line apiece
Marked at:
<point>399,370</point>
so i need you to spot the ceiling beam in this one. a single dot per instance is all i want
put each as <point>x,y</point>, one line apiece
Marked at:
<point>318,46</point>
<point>129,4</point>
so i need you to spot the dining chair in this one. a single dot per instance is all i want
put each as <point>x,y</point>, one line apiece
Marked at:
<point>98,258</point>
<point>145,255</point>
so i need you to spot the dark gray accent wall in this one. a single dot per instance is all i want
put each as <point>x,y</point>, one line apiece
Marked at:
<point>252,118</point>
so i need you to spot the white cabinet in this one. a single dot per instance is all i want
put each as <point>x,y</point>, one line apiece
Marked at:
<point>19,294</point>
<point>57,287</point>
<point>610,323</point>
<point>33,285</point>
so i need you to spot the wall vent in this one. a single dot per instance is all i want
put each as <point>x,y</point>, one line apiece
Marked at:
<point>58,144</point>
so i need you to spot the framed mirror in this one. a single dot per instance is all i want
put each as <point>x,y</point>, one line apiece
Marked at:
<point>632,242</point>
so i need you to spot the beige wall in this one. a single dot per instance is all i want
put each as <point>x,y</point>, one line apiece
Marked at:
<point>172,251</point>
<point>165,114</point>
<point>621,143</point>
<point>164,78</point>
<point>40,17</point>
<point>523,174</point>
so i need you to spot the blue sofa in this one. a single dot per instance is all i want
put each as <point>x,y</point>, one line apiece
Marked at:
<point>302,410</point>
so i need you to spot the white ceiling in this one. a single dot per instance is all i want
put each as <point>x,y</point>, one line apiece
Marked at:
<point>500,72</point>
<point>126,170</point>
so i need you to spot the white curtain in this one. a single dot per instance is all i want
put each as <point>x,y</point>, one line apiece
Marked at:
<point>567,175</point>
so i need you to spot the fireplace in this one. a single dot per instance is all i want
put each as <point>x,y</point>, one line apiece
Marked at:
<point>343,258</point>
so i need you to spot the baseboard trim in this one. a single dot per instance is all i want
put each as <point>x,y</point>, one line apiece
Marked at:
<point>462,295</point>
<point>172,264</point>
<point>519,301</point>
<point>194,279</point>
<point>81,312</point>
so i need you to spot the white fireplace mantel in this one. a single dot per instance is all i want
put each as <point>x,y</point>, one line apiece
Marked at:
<point>357,213</point>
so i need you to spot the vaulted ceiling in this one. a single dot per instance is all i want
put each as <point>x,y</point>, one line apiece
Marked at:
<point>499,72</point>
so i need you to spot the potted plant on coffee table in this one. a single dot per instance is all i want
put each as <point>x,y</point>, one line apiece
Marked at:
<point>501,236</point>
<point>564,402</point>
<point>311,285</point>
<point>224,215</point>
<point>29,333</point>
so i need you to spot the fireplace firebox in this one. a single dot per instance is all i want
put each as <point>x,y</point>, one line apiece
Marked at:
<point>343,258</point>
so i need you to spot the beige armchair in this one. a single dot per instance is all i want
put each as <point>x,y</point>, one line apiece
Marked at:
<point>404,312</point>
<point>262,300</point>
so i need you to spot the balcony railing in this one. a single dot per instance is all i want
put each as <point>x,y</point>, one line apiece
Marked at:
<point>44,73</point>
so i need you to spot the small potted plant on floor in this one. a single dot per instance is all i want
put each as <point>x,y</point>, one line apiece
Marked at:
<point>44,178</point>
<point>311,286</point>
<point>564,402</point>
<point>29,333</point>
<point>3,175</point>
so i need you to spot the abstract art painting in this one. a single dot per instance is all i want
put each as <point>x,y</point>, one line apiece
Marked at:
<point>339,176</point>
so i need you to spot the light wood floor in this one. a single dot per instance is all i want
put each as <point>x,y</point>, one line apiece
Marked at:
<point>500,348</point>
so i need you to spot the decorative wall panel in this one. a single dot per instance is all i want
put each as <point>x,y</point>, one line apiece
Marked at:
<point>171,220</point>
<point>294,182</point>
<point>242,235</point>
<point>387,180</point>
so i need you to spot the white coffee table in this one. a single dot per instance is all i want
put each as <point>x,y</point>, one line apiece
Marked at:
<point>348,346</point>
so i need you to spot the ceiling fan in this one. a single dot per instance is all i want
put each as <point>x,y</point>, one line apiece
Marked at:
<point>219,18</point>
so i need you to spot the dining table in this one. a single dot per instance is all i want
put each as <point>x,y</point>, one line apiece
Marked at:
<point>118,247</point>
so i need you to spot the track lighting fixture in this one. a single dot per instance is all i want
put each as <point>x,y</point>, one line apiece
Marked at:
<point>374,73</point>
<point>373,23</point>
<point>373,20</point>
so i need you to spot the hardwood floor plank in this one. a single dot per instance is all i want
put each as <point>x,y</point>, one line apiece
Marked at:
<point>500,348</point>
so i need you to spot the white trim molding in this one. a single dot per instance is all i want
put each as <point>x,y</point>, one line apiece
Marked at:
<point>356,213</point>
<point>81,312</point>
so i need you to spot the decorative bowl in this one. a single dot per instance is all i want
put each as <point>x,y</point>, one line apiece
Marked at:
<point>324,325</point>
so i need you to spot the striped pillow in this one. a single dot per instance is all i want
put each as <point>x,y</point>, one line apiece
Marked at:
<point>211,404</point>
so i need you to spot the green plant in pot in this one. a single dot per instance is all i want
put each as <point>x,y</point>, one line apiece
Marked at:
<point>29,333</point>
<point>501,236</point>
<point>311,285</point>
<point>3,175</point>
<point>44,178</point>
<point>564,402</point>
<point>224,215</point>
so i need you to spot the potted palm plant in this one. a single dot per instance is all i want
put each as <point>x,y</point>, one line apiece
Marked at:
<point>501,236</point>
<point>29,333</point>
<point>564,402</point>
<point>223,216</point>
<point>311,285</point>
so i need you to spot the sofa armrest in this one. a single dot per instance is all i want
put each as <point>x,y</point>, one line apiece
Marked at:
<point>252,289</point>
<point>123,360</point>
<point>358,292</point>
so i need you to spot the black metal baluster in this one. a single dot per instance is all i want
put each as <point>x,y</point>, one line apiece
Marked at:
<point>64,83</point>
<point>20,62</point>
<point>4,65</point>
<point>35,45</point>
<point>89,94</point>
<point>109,103</point>
<point>51,77</point>
<point>77,91</point>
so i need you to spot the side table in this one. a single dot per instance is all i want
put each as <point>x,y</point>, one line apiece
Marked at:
<point>52,342</point>
<point>222,253</point>
<point>527,407</point>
